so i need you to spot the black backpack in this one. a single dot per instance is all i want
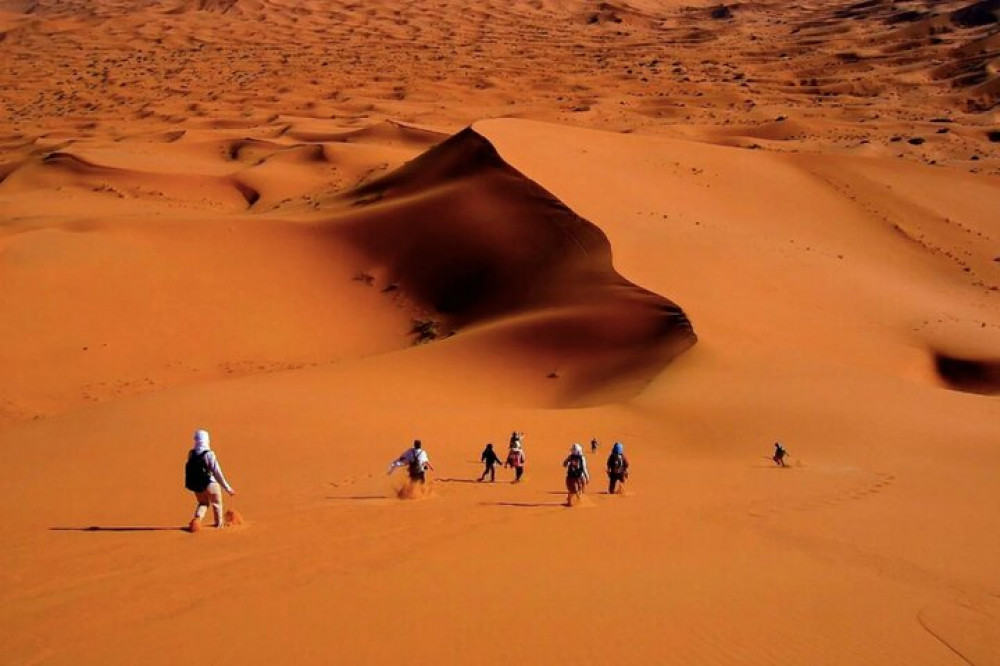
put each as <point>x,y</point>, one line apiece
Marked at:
<point>617,464</point>
<point>574,469</point>
<point>196,474</point>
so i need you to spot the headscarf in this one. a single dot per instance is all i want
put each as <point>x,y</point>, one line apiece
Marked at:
<point>201,441</point>
<point>618,448</point>
<point>576,450</point>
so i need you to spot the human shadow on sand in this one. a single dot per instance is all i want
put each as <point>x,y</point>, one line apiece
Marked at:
<point>523,505</point>
<point>457,481</point>
<point>358,498</point>
<point>99,528</point>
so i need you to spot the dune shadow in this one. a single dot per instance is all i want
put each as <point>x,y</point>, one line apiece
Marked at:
<point>517,250</point>
<point>126,528</point>
<point>769,464</point>
<point>969,375</point>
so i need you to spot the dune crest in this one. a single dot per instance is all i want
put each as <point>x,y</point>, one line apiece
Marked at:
<point>474,242</point>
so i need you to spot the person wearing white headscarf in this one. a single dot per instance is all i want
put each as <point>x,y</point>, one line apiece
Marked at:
<point>516,459</point>
<point>577,475</point>
<point>205,479</point>
<point>416,460</point>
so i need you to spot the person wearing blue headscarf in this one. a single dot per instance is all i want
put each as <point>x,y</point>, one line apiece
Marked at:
<point>617,468</point>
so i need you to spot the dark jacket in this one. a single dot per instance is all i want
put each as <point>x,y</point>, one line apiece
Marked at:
<point>624,467</point>
<point>490,456</point>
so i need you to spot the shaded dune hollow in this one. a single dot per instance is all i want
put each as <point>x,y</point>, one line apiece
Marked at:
<point>479,247</point>
<point>60,169</point>
<point>969,375</point>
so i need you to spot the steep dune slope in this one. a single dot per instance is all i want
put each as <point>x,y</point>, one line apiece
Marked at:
<point>471,240</point>
<point>455,239</point>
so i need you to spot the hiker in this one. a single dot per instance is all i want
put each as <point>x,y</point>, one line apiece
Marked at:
<point>489,458</point>
<point>593,445</point>
<point>779,454</point>
<point>576,473</point>
<point>416,461</point>
<point>515,459</point>
<point>617,468</point>
<point>203,476</point>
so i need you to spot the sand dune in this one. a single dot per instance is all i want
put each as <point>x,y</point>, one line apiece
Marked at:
<point>856,77</point>
<point>321,230</point>
<point>470,240</point>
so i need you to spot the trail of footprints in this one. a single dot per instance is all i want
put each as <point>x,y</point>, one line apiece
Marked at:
<point>866,490</point>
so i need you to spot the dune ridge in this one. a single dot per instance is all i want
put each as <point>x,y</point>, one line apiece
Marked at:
<point>455,239</point>
<point>717,72</point>
<point>468,238</point>
<point>526,249</point>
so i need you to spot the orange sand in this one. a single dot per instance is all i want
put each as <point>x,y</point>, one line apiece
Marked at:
<point>320,230</point>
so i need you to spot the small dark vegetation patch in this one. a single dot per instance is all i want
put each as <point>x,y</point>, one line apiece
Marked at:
<point>916,141</point>
<point>721,12</point>
<point>424,330</point>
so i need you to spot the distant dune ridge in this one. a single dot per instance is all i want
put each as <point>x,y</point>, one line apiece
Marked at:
<point>322,230</point>
<point>641,66</point>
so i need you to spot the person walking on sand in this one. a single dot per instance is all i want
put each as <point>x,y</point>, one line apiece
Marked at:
<point>617,468</point>
<point>490,459</point>
<point>779,455</point>
<point>203,476</point>
<point>515,459</point>
<point>577,476</point>
<point>593,445</point>
<point>416,461</point>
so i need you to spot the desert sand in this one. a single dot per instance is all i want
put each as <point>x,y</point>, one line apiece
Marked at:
<point>321,230</point>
